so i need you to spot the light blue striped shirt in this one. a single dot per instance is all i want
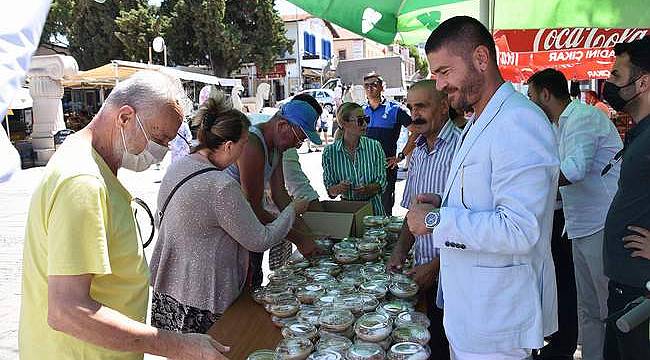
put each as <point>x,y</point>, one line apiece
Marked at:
<point>427,173</point>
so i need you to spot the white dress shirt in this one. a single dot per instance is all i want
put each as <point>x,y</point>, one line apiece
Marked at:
<point>588,140</point>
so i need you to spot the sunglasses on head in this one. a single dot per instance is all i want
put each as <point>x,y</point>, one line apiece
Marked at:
<point>361,120</point>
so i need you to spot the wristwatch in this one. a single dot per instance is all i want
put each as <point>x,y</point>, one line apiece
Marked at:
<point>401,156</point>
<point>432,219</point>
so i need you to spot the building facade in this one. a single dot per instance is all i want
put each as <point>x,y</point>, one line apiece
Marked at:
<point>303,67</point>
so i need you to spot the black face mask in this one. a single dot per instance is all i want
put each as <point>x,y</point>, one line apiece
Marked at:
<point>611,93</point>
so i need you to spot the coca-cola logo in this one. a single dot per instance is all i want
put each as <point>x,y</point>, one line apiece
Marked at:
<point>575,38</point>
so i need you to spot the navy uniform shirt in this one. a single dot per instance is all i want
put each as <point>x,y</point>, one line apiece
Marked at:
<point>386,123</point>
<point>631,206</point>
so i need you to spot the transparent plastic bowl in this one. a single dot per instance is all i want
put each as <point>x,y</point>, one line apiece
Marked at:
<point>307,294</point>
<point>412,317</point>
<point>326,355</point>
<point>334,342</point>
<point>393,307</point>
<point>412,333</point>
<point>373,327</point>
<point>294,349</point>
<point>346,256</point>
<point>408,351</point>
<point>262,354</point>
<point>366,352</point>
<point>374,288</point>
<point>284,307</point>
<point>335,319</point>
<point>404,289</point>
<point>300,329</point>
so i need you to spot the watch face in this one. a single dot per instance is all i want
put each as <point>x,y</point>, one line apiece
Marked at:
<point>432,219</point>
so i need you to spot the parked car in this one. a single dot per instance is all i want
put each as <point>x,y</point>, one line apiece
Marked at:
<point>325,98</point>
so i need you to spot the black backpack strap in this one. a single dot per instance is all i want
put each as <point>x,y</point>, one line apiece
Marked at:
<point>161,212</point>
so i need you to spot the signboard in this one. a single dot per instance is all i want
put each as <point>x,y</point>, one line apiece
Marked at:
<point>580,53</point>
<point>279,71</point>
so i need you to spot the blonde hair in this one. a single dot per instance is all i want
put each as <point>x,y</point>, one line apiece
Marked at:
<point>343,114</point>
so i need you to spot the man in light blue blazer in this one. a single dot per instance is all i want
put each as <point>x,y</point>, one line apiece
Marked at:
<point>493,221</point>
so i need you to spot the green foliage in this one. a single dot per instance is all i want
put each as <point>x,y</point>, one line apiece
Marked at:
<point>421,64</point>
<point>225,34</point>
<point>58,20</point>
<point>136,29</point>
<point>181,40</point>
<point>89,29</point>
<point>220,33</point>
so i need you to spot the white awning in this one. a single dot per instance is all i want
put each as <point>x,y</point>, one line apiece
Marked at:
<point>181,74</point>
<point>118,70</point>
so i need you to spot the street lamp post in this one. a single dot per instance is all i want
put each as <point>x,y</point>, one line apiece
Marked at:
<point>160,46</point>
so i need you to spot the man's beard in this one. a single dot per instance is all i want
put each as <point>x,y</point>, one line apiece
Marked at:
<point>469,90</point>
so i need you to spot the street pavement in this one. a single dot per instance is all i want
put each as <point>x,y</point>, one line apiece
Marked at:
<point>14,204</point>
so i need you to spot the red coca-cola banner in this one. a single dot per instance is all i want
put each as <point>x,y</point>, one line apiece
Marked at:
<point>580,53</point>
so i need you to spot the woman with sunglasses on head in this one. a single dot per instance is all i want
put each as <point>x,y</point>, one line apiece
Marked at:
<point>207,227</point>
<point>354,166</point>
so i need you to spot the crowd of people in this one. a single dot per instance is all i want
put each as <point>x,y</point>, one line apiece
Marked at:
<point>488,200</point>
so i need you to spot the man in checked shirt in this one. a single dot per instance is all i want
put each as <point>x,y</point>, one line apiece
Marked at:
<point>428,169</point>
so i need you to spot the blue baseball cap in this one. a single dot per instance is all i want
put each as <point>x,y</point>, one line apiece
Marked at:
<point>300,113</point>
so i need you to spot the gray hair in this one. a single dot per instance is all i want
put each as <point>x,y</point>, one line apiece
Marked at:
<point>147,91</point>
<point>430,85</point>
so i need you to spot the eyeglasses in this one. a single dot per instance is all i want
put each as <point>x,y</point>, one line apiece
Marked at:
<point>612,162</point>
<point>361,120</point>
<point>299,140</point>
<point>373,84</point>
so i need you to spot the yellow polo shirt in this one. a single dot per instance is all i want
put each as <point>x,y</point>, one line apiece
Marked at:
<point>80,221</point>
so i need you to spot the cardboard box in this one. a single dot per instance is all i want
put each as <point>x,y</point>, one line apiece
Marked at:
<point>340,219</point>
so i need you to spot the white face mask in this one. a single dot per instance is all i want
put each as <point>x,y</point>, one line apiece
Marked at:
<point>152,154</point>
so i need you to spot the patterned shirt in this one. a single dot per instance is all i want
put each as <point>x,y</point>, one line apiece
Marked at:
<point>368,166</point>
<point>180,145</point>
<point>427,173</point>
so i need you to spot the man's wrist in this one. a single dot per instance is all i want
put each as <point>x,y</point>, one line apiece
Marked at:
<point>168,344</point>
<point>432,219</point>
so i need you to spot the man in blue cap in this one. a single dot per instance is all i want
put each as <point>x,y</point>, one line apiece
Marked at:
<point>288,128</point>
